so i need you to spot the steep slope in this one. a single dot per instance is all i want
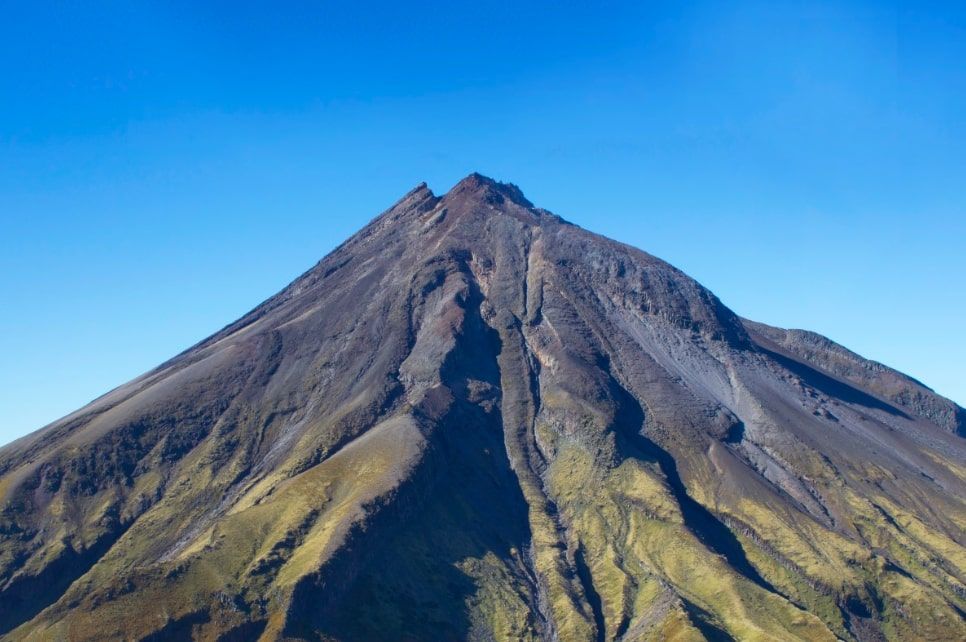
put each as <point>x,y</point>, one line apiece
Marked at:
<point>897,388</point>
<point>475,420</point>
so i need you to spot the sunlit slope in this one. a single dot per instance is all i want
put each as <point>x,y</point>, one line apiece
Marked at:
<point>475,420</point>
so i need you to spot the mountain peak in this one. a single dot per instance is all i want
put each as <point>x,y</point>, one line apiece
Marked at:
<point>417,194</point>
<point>491,190</point>
<point>470,421</point>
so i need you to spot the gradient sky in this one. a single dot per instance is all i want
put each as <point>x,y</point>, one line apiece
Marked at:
<point>165,166</point>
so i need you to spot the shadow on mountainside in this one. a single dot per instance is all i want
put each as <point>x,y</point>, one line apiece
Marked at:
<point>28,595</point>
<point>712,532</point>
<point>831,386</point>
<point>467,509</point>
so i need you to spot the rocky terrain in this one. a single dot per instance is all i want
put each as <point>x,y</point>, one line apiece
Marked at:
<point>474,420</point>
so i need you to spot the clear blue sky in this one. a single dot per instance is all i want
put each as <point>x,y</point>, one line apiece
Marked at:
<point>165,166</point>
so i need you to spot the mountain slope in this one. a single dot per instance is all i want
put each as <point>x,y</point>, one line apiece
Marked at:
<point>475,420</point>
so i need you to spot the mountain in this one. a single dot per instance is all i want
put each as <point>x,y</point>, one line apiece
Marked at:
<point>474,420</point>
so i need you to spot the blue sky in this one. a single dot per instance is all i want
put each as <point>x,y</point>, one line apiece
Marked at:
<point>166,166</point>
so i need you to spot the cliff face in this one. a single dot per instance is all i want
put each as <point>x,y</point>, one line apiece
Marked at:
<point>475,420</point>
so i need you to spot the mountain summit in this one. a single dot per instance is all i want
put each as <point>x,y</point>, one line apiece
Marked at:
<point>474,420</point>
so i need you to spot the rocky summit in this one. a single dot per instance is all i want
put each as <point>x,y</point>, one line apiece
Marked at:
<point>475,420</point>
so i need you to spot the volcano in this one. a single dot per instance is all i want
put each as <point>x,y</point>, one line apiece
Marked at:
<point>475,420</point>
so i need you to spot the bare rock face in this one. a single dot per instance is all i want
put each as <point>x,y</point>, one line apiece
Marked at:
<point>474,420</point>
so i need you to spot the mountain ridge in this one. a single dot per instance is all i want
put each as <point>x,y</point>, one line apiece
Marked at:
<point>473,419</point>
